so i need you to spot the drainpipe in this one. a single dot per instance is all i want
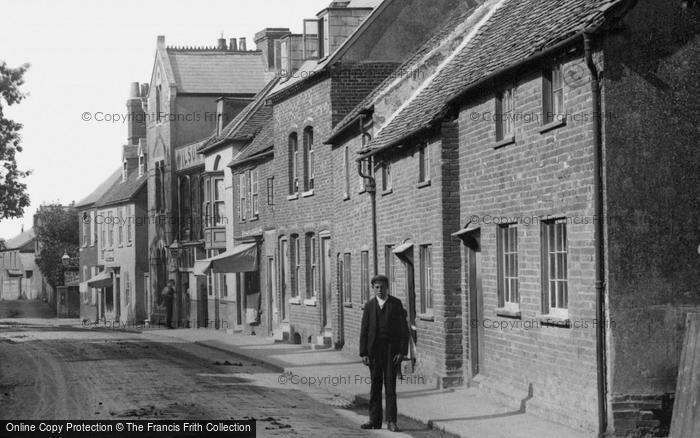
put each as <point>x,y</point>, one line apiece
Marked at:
<point>598,239</point>
<point>371,188</point>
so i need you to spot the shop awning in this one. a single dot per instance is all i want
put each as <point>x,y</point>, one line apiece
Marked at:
<point>103,279</point>
<point>242,258</point>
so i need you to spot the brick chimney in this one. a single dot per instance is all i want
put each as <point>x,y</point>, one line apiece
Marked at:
<point>221,43</point>
<point>241,44</point>
<point>265,42</point>
<point>136,122</point>
<point>233,45</point>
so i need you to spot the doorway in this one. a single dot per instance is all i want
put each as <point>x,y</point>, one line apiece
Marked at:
<point>272,313</point>
<point>284,278</point>
<point>474,304</point>
<point>326,287</point>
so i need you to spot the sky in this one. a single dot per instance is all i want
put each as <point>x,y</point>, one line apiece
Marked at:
<point>84,55</point>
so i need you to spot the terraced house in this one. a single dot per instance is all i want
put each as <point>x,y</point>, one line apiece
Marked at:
<point>561,277</point>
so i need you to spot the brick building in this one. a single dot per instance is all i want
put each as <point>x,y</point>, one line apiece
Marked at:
<point>564,277</point>
<point>20,277</point>
<point>187,86</point>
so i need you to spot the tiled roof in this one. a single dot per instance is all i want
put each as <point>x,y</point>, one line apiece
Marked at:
<point>261,144</point>
<point>20,240</point>
<point>101,189</point>
<point>457,16</point>
<point>247,123</point>
<point>517,30</point>
<point>218,72</point>
<point>123,191</point>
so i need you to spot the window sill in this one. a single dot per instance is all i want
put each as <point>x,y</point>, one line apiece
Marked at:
<point>426,317</point>
<point>307,193</point>
<point>553,125</point>
<point>554,321</point>
<point>293,197</point>
<point>348,305</point>
<point>310,302</point>
<point>423,184</point>
<point>346,197</point>
<point>508,313</point>
<point>295,300</point>
<point>253,219</point>
<point>387,192</point>
<point>505,142</point>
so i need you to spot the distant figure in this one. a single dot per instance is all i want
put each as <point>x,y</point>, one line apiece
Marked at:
<point>383,345</point>
<point>168,295</point>
<point>187,298</point>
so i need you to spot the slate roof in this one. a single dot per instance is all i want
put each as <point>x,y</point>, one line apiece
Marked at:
<point>457,16</point>
<point>101,189</point>
<point>123,191</point>
<point>20,240</point>
<point>517,30</point>
<point>247,123</point>
<point>218,71</point>
<point>261,145</point>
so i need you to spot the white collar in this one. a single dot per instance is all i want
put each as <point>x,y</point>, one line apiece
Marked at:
<point>381,301</point>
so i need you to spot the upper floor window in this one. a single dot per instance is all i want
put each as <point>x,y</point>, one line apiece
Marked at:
<point>160,185</point>
<point>142,164</point>
<point>111,229</point>
<point>505,104</point>
<point>120,226</point>
<point>159,106</point>
<point>86,228</point>
<point>507,266</point>
<point>218,202</point>
<point>554,268</point>
<point>125,169</point>
<point>553,94</point>
<point>284,57</point>
<point>366,164</point>
<point>242,198</point>
<point>386,176</point>
<point>423,163</point>
<point>293,164</point>
<point>346,172</point>
<point>129,221</point>
<point>311,39</point>
<point>308,158</point>
<point>253,184</point>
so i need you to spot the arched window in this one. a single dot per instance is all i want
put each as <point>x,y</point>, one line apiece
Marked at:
<point>293,163</point>
<point>308,158</point>
<point>217,160</point>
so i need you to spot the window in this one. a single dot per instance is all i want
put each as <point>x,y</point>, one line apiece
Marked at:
<point>253,185</point>
<point>219,213</point>
<point>326,35</point>
<point>311,266</point>
<point>386,177</point>
<point>347,275</point>
<point>103,232</point>
<point>284,57</point>
<point>120,226</point>
<point>129,221</point>
<point>160,185</point>
<point>364,276</point>
<point>271,190</point>
<point>125,169</point>
<point>308,158</point>
<point>507,266</point>
<point>142,164</point>
<point>390,267</point>
<point>110,216</point>
<point>505,104</point>
<point>295,266</point>
<point>158,104</point>
<point>311,39</point>
<point>242,204</point>
<point>554,268</point>
<point>553,94</point>
<point>423,163</point>
<point>159,201</point>
<point>278,55</point>
<point>346,172</point>
<point>93,228</point>
<point>224,286</point>
<point>206,213</point>
<point>86,228</point>
<point>426,279</point>
<point>293,164</point>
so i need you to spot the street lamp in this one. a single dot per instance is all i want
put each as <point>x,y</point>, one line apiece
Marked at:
<point>65,259</point>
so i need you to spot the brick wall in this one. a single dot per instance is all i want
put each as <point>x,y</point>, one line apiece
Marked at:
<point>540,175</point>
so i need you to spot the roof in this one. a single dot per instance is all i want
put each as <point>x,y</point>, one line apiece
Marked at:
<point>311,68</point>
<point>122,191</point>
<point>101,189</point>
<point>455,18</point>
<point>217,71</point>
<point>517,30</point>
<point>259,147</point>
<point>247,123</point>
<point>20,240</point>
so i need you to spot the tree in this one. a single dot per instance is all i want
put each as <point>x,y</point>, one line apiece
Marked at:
<point>57,232</point>
<point>13,192</point>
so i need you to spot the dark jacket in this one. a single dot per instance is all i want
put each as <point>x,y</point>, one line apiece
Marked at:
<point>398,326</point>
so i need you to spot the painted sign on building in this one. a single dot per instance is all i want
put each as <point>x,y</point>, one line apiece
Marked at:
<point>187,156</point>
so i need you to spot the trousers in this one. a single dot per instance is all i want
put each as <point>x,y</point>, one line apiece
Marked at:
<point>383,373</point>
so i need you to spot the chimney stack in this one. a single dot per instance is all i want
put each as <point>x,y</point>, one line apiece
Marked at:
<point>222,43</point>
<point>265,42</point>
<point>136,122</point>
<point>241,44</point>
<point>135,91</point>
<point>233,45</point>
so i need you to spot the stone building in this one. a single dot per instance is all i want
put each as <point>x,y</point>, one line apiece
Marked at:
<point>20,277</point>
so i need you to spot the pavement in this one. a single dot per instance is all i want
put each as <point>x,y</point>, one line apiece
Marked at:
<point>460,412</point>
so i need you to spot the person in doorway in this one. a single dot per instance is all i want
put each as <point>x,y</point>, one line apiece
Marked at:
<point>168,295</point>
<point>383,345</point>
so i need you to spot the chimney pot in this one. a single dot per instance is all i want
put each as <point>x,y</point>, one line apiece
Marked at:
<point>233,45</point>
<point>241,44</point>
<point>134,92</point>
<point>222,43</point>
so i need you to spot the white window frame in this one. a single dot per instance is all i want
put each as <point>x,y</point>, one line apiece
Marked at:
<point>554,255</point>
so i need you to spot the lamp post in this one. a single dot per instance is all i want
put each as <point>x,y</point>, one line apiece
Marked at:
<point>175,251</point>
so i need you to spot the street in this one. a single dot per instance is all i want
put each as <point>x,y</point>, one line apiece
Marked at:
<point>50,369</point>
